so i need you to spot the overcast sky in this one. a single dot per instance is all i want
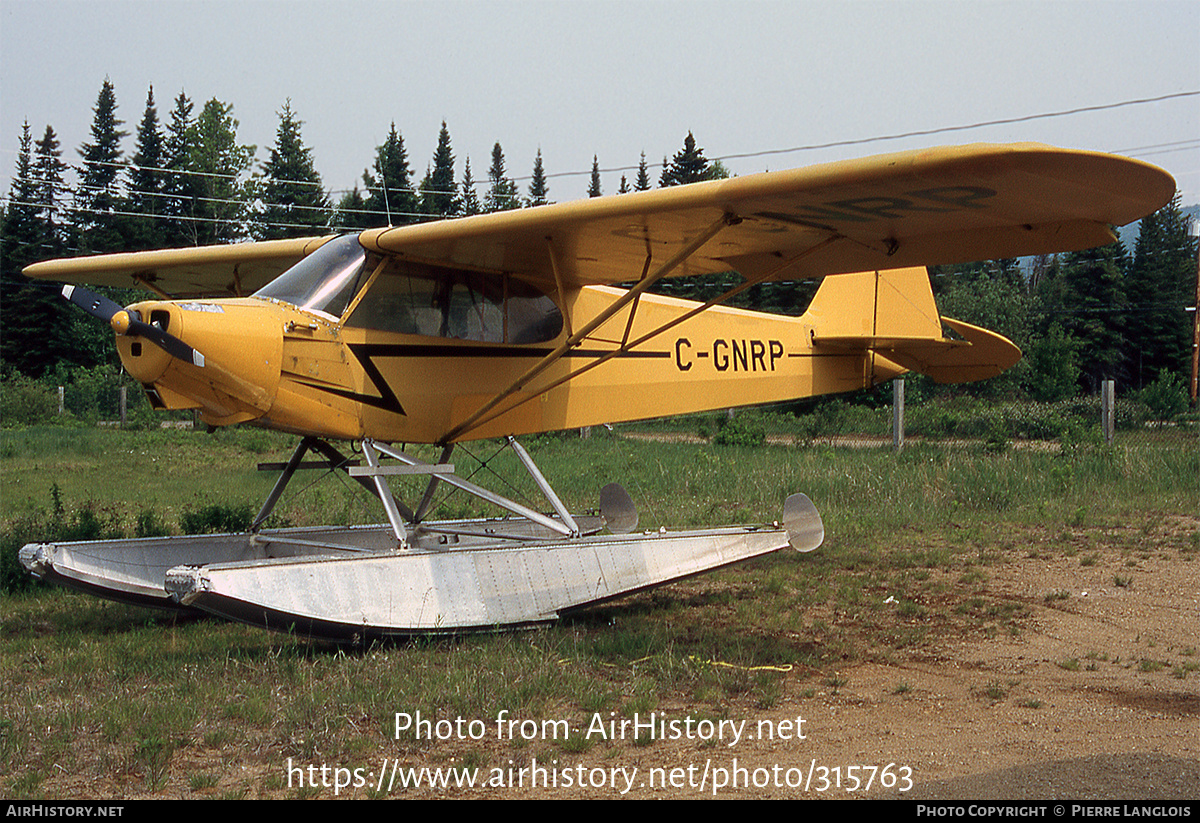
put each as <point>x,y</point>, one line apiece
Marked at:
<point>613,79</point>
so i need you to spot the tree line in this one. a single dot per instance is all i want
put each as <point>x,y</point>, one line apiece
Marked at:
<point>1079,318</point>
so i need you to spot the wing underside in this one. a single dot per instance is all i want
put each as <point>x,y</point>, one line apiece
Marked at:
<point>231,270</point>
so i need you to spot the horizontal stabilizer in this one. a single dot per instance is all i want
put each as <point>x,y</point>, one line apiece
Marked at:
<point>978,355</point>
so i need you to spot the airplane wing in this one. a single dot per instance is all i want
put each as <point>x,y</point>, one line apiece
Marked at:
<point>926,207</point>
<point>231,270</point>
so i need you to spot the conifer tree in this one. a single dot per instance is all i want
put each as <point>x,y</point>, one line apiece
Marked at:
<point>33,318</point>
<point>1161,285</point>
<point>594,185</point>
<point>48,171</point>
<point>624,187</point>
<point>180,189</point>
<point>687,166</point>
<point>147,182</point>
<point>295,203</point>
<point>538,190</point>
<point>22,231</point>
<point>390,194</point>
<point>439,191</point>
<point>425,191</point>
<point>470,199</point>
<point>502,192</point>
<point>642,183</point>
<point>98,198</point>
<point>221,165</point>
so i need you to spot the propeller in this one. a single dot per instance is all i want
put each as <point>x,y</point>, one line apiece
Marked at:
<point>129,323</point>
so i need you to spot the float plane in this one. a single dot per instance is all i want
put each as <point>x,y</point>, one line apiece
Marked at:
<point>543,319</point>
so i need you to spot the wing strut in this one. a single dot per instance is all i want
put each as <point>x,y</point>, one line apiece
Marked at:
<point>626,346</point>
<point>580,335</point>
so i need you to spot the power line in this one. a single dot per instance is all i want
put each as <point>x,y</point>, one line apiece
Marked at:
<point>919,133</point>
<point>1175,146</point>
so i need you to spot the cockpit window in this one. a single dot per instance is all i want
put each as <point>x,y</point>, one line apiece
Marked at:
<point>326,280</point>
<point>416,298</point>
<point>434,301</point>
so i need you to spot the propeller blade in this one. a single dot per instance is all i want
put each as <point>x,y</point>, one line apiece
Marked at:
<point>128,322</point>
<point>97,305</point>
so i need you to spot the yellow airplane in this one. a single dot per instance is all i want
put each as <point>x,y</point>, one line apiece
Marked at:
<point>513,323</point>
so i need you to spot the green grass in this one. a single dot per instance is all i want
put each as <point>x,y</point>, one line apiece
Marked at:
<point>141,700</point>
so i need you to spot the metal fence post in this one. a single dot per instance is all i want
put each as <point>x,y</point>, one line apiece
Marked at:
<point>1107,407</point>
<point>898,413</point>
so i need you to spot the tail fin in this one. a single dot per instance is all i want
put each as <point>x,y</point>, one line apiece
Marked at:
<point>892,314</point>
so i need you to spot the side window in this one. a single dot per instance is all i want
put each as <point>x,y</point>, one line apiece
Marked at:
<point>532,316</point>
<point>432,301</point>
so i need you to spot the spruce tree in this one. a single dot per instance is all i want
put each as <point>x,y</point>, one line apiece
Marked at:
<point>147,182</point>
<point>642,183</point>
<point>687,166</point>
<point>502,192</point>
<point>20,236</point>
<point>538,190</point>
<point>624,187</point>
<point>594,185</point>
<point>98,198</point>
<point>390,194</point>
<point>35,323</point>
<point>470,198</point>
<point>294,200</point>
<point>180,186</point>
<point>439,191</point>
<point>22,229</point>
<point>48,171</point>
<point>1161,285</point>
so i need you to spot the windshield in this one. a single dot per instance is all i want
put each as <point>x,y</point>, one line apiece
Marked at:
<point>325,281</point>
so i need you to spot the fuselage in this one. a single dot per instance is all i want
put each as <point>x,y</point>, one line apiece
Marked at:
<point>408,355</point>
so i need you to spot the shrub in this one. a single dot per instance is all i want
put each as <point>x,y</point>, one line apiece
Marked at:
<point>26,402</point>
<point>744,429</point>
<point>1166,397</point>
<point>217,518</point>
